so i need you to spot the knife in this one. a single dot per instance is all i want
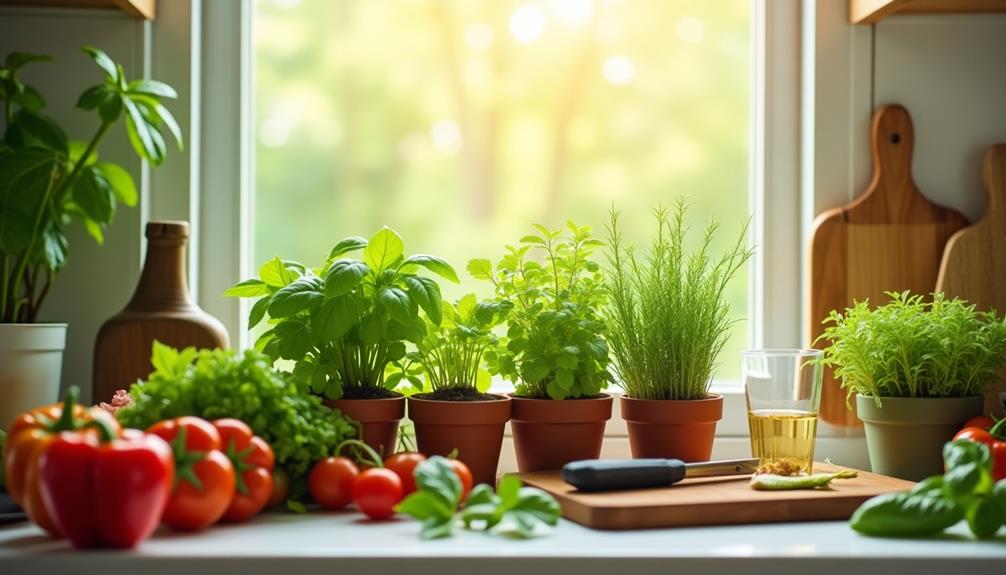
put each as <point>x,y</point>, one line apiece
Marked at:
<point>611,474</point>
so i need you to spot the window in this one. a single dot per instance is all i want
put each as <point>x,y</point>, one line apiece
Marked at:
<point>459,123</point>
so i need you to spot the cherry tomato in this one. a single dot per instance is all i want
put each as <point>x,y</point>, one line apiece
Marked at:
<point>330,482</point>
<point>404,465</point>
<point>465,475</point>
<point>280,487</point>
<point>376,491</point>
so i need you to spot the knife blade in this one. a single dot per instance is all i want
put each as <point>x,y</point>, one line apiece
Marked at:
<point>612,474</point>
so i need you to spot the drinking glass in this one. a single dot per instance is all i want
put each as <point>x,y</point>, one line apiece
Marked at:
<point>783,391</point>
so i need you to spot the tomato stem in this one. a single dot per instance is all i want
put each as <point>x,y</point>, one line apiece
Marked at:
<point>66,420</point>
<point>374,457</point>
<point>998,430</point>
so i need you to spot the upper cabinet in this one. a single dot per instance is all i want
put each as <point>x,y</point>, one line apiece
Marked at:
<point>870,11</point>
<point>140,9</point>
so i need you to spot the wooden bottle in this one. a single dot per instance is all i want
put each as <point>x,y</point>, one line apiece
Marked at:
<point>161,309</point>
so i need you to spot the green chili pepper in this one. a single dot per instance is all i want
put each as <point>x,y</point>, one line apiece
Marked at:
<point>769,482</point>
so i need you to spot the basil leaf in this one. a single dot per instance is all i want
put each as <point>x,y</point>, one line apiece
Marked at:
<point>343,276</point>
<point>383,250</point>
<point>257,312</point>
<point>426,293</point>
<point>436,265</point>
<point>248,288</point>
<point>347,245</point>
<point>985,517</point>
<point>905,515</point>
<point>398,304</point>
<point>333,319</point>
<point>436,477</point>
<point>302,294</point>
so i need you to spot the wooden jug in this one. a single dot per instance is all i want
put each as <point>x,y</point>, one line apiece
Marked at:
<point>161,309</point>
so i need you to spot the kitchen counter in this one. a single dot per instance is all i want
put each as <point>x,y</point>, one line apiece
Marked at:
<point>346,543</point>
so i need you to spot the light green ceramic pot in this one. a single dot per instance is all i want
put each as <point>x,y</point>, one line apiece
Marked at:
<point>905,435</point>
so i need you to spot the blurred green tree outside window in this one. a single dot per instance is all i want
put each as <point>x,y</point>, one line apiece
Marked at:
<point>460,123</point>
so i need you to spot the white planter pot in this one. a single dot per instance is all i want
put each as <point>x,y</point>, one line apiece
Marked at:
<point>31,361</point>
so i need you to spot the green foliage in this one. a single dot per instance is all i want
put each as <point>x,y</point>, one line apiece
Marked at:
<point>513,510</point>
<point>966,491</point>
<point>554,346</point>
<point>450,354</point>
<point>217,383</point>
<point>913,348</point>
<point>668,318</point>
<point>47,180</point>
<point>345,321</point>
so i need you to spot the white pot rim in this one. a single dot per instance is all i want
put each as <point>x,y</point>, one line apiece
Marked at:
<point>32,337</point>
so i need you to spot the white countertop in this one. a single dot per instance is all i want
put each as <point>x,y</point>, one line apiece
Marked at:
<point>344,543</point>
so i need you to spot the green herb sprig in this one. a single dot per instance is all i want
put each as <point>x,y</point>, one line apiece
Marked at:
<point>667,314</point>
<point>913,348</point>
<point>512,510</point>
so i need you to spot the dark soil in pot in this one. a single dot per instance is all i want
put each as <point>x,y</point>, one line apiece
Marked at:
<point>474,428</point>
<point>378,416</point>
<point>548,434</point>
<point>672,429</point>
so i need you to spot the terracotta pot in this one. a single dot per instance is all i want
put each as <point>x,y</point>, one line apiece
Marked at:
<point>378,417</point>
<point>673,429</point>
<point>548,434</point>
<point>474,428</point>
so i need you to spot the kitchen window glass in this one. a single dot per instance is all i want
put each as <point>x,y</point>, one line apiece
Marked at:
<point>459,123</point>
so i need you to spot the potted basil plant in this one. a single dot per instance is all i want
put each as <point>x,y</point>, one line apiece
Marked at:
<point>344,322</point>
<point>47,183</point>
<point>452,411</point>
<point>668,319</point>
<point>917,370</point>
<point>554,350</point>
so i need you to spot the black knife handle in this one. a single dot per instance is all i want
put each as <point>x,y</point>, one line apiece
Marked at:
<point>610,474</point>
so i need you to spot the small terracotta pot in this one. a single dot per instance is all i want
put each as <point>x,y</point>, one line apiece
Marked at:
<point>379,419</point>
<point>672,429</point>
<point>474,428</point>
<point>548,434</point>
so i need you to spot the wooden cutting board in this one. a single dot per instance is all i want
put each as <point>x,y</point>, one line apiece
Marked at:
<point>712,501</point>
<point>974,262</point>
<point>890,238</point>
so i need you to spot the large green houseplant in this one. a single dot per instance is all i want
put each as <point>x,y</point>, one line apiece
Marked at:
<point>668,319</point>
<point>554,350</point>
<point>47,182</point>
<point>344,322</point>
<point>917,369</point>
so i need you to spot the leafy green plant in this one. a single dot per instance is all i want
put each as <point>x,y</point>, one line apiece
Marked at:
<point>667,315</point>
<point>966,491</point>
<point>47,180</point>
<point>450,354</point>
<point>216,383</point>
<point>913,348</point>
<point>512,510</point>
<point>345,321</point>
<point>554,346</point>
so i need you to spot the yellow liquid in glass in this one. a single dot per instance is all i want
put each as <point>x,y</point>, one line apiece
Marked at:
<point>783,438</point>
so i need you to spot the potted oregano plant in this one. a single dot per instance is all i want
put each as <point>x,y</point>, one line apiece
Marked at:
<point>668,319</point>
<point>917,369</point>
<point>344,322</point>
<point>452,411</point>
<point>554,350</point>
<point>47,183</point>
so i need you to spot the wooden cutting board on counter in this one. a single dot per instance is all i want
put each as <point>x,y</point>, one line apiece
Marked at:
<point>712,501</point>
<point>890,238</point>
<point>974,262</point>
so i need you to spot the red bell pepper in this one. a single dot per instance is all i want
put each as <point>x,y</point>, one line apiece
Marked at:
<point>993,434</point>
<point>253,462</point>
<point>103,490</point>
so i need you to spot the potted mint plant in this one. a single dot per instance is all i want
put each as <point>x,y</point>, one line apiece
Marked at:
<point>452,411</point>
<point>917,370</point>
<point>343,323</point>
<point>668,319</point>
<point>47,183</point>
<point>554,350</point>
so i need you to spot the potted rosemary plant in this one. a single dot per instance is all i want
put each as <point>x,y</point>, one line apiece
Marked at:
<point>452,412</point>
<point>344,322</point>
<point>47,182</point>
<point>554,351</point>
<point>917,370</point>
<point>668,319</point>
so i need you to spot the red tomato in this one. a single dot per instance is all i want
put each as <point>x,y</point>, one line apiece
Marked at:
<point>253,461</point>
<point>465,475</point>
<point>330,482</point>
<point>205,485</point>
<point>376,491</point>
<point>404,465</point>
<point>280,487</point>
<point>997,448</point>
<point>982,421</point>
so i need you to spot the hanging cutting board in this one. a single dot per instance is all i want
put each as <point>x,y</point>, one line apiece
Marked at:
<point>890,238</point>
<point>974,262</point>
<point>712,501</point>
